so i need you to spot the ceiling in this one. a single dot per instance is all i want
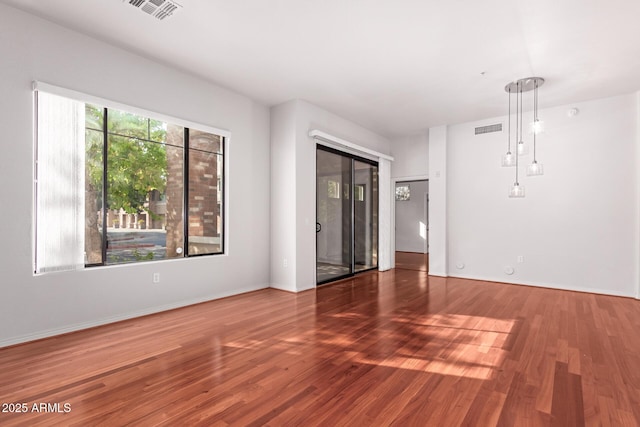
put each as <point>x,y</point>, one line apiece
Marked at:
<point>397,67</point>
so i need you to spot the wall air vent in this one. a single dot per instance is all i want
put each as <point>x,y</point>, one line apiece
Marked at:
<point>159,9</point>
<point>489,128</point>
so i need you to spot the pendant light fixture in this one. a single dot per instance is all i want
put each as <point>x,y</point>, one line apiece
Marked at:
<point>516,189</point>
<point>508,160</point>
<point>519,87</point>
<point>522,149</point>
<point>535,168</point>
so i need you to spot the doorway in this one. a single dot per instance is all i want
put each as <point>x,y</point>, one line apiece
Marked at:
<point>346,214</point>
<point>412,224</point>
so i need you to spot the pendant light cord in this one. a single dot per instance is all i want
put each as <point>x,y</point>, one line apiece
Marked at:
<point>521,114</point>
<point>535,117</point>
<point>518,96</point>
<point>509,125</point>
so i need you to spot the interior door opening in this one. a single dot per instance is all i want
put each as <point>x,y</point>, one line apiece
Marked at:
<point>412,224</point>
<point>346,214</point>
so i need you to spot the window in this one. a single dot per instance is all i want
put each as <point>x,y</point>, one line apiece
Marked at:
<point>116,187</point>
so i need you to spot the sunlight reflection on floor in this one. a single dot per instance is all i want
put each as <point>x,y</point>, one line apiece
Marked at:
<point>449,344</point>
<point>458,345</point>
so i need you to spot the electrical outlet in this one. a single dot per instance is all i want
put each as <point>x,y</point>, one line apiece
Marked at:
<point>520,259</point>
<point>285,263</point>
<point>156,277</point>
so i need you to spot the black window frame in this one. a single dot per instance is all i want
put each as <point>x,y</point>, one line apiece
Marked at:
<point>185,189</point>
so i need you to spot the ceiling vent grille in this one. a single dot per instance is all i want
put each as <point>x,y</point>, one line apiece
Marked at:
<point>488,129</point>
<point>159,9</point>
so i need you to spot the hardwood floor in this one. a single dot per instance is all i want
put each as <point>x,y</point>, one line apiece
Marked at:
<point>393,348</point>
<point>412,261</point>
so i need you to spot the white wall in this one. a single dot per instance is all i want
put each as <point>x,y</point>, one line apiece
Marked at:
<point>410,156</point>
<point>438,207</point>
<point>638,187</point>
<point>577,227</point>
<point>36,306</point>
<point>411,162</point>
<point>283,200</point>
<point>302,249</point>
<point>410,217</point>
<point>386,258</point>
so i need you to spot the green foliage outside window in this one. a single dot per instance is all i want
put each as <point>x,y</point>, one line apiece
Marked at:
<point>137,159</point>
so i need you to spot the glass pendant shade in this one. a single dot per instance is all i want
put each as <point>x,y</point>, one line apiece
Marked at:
<point>508,160</point>
<point>516,190</point>
<point>535,168</point>
<point>522,148</point>
<point>537,127</point>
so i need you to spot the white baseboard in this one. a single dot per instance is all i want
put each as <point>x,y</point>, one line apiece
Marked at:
<point>431,273</point>
<point>119,317</point>
<point>547,285</point>
<point>281,287</point>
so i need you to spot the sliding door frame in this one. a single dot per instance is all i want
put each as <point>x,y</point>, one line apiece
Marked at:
<point>353,158</point>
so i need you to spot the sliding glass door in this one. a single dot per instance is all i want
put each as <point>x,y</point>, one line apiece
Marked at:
<point>365,215</point>
<point>346,214</point>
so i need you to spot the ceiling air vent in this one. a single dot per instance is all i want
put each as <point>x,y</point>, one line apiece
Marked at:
<point>489,128</point>
<point>159,9</point>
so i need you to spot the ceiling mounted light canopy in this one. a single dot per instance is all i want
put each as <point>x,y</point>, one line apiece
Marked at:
<point>519,87</point>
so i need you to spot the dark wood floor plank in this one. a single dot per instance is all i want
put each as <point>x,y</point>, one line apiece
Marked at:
<point>567,407</point>
<point>394,348</point>
<point>485,409</point>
